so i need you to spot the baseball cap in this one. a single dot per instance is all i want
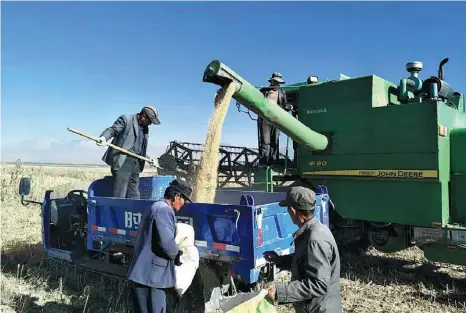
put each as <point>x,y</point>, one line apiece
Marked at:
<point>152,113</point>
<point>182,187</point>
<point>300,198</point>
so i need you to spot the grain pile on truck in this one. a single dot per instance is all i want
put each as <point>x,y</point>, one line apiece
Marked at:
<point>205,182</point>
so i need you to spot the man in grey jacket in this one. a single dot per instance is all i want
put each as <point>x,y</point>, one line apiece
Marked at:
<point>130,132</point>
<point>315,265</point>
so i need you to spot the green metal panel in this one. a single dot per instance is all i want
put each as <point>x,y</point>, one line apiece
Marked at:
<point>458,198</point>
<point>458,149</point>
<point>452,160</point>
<point>373,136</point>
<point>458,178</point>
<point>453,120</point>
<point>397,201</point>
<point>444,176</point>
<point>262,179</point>
<point>442,253</point>
<point>361,123</point>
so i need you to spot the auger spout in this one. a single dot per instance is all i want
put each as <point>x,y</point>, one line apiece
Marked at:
<point>249,96</point>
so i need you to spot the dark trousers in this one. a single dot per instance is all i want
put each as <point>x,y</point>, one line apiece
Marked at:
<point>295,144</point>
<point>126,179</point>
<point>269,137</point>
<point>153,300</point>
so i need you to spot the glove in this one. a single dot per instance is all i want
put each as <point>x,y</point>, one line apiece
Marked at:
<point>177,259</point>
<point>102,141</point>
<point>271,256</point>
<point>154,162</point>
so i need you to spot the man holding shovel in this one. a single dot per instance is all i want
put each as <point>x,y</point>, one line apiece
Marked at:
<point>130,132</point>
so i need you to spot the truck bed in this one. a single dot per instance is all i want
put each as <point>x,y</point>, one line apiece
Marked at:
<point>236,229</point>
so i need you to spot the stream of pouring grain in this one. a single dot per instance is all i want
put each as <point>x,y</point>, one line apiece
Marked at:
<point>205,182</point>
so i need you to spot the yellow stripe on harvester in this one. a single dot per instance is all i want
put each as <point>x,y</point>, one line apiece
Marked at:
<point>415,174</point>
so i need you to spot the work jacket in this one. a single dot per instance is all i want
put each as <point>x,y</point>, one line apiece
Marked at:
<point>155,249</point>
<point>315,271</point>
<point>281,101</point>
<point>124,132</point>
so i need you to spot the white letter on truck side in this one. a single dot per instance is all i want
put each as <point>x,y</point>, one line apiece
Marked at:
<point>137,218</point>
<point>128,219</point>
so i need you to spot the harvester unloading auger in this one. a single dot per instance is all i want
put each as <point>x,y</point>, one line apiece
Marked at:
<point>393,157</point>
<point>248,95</point>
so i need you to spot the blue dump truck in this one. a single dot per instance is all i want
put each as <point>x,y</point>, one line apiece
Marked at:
<point>96,231</point>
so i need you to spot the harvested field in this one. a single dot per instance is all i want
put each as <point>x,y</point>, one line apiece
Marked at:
<point>372,282</point>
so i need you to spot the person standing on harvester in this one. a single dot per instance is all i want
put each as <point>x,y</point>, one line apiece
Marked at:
<point>155,254</point>
<point>315,265</point>
<point>269,135</point>
<point>130,132</point>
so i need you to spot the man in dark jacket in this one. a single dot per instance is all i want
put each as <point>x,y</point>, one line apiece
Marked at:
<point>269,135</point>
<point>130,132</point>
<point>315,265</point>
<point>152,268</point>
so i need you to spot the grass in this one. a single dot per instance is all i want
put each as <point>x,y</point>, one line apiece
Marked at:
<point>372,282</point>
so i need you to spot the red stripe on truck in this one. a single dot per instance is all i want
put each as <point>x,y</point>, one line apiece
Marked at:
<point>220,246</point>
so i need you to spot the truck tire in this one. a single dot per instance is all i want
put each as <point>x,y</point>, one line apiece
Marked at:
<point>193,299</point>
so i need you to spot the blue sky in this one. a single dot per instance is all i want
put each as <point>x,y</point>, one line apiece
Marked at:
<point>82,64</point>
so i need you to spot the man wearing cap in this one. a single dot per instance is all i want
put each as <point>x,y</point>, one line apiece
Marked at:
<point>315,264</point>
<point>152,268</point>
<point>269,135</point>
<point>130,132</point>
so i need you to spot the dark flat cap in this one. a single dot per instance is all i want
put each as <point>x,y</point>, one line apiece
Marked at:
<point>152,113</point>
<point>299,198</point>
<point>183,187</point>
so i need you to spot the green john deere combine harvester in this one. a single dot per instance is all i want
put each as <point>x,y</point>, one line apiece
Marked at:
<point>393,157</point>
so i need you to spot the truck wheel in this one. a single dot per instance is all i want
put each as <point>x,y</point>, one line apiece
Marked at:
<point>193,299</point>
